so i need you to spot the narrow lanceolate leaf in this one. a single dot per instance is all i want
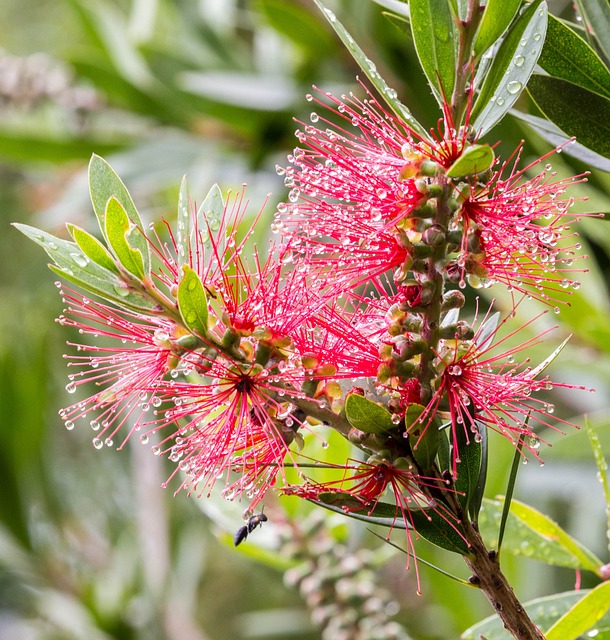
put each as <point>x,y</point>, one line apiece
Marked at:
<point>597,16</point>
<point>576,111</point>
<point>487,331</point>
<point>121,234</point>
<point>93,248</point>
<point>567,56</point>
<point>435,36</point>
<point>553,134</point>
<point>547,361</point>
<point>512,479</point>
<point>72,264</point>
<point>388,94</point>
<point>104,184</point>
<point>602,472</point>
<point>544,612</point>
<point>476,159</point>
<point>183,224</point>
<point>468,468</point>
<point>511,68</point>
<point>497,16</point>
<point>582,616</point>
<point>428,523</point>
<point>366,415</point>
<point>424,439</point>
<point>193,302</point>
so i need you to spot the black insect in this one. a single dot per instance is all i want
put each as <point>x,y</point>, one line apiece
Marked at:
<point>242,533</point>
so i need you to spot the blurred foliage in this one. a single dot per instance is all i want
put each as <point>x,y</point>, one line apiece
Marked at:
<point>90,545</point>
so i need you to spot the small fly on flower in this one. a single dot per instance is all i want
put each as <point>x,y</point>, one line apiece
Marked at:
<point>254,521</point>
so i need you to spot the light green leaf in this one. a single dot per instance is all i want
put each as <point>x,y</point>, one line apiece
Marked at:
<point>544,612</point>
<point>567,56</point>
<point>183,224</point>
<point>497,16</point>
<point>576,111</point>
<point>93,248</point>
<point>512,67</point>
<point>119,234</point>
<point>366,415</point>
<point>602,471</point>
<point>436,39</point>
<point>193,302</point>
<point>73,265</point>
<point>388,94</point>
<point>547,361</point>
<point>476,159</point>
<point>582,616</point>
<point>104,184</point>
<point>597,15</point>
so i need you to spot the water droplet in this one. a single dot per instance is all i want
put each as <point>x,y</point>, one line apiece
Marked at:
<point>314,117</point>
<point>519,60</point>
<point>70,387</point>
<point>97,443</point>
<point>537,36</point>
<point>69,425</point>
<point>514,87</point>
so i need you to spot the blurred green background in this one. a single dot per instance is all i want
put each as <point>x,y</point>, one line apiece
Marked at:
<point>90,545</point>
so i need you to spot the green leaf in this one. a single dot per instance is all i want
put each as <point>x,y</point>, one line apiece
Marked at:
<point>73,265</point>
<point>193,302</point>
<point>428,523</point>
<point>424,439</point>
<point>468,467</point>
<point>399,7</point>
<point>567,56</point>
<point>476,500</point>
<point>476,159</point>
<point>576,111</point>
<point>512,67</point>
<point>436,38</point>
<point>485,335</point>
<point>497,16</point>
<point>547,361</point>
<point>183,224</point>
<point>366,415</point>
<point>104,184</point>
<point>388,94</point>
<point>602,471</point>
<point>510,487</point>
<point>597,16</point>
<point>119,233</point>
<point>544,612</point>
<point>582,616</point>
<point>553,134</point>
<point>92,248</point>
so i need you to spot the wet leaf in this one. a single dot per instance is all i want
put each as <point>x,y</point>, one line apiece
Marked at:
<point>92,248</point>
<point>193,302</point>
<point>476,159</point>
<point>120,234</point>
<point>582,616</point>
<point>366,415</point>
<point>497,16</point>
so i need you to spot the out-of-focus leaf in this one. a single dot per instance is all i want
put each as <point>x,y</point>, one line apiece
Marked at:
<point>395,6</point>
<point>567,56</point>
<point>544,612</point>
<point>476,159</point>
<point>602,471</point>
<point>512,67</point>
<point>192,302</point>
<point>92,248</point>
<point>366,415</point>
<point>435,36</point>
<point>597,17</point>
<point>582,616</point>
<point>553,134</point>
<point>296,23</point>
<point>370,70</point>
<point>183,224</point>
<point>497,16</point>
<point>104,184</point>
<point>75,266</point>
<point>576,111</point>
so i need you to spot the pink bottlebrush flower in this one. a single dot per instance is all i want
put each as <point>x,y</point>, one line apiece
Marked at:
<point>512,230</point>
<point>363,485</point>
<point>236,421</point>
<point>140,350</point>
<point>480,385</point>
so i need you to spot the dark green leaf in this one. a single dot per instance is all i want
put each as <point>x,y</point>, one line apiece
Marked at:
<point>436,38</point>
<point>193,302</point>
<point>544,612</point>
<point>512,479</point>
<point>104,184</point>
<point>369,68</point>
<point>576,111</point>
<point>583,615</point>
<point>567,56</point>
<point>119,234</point>
<point>476,159</point>
<point>597,16</point>
<point>92,248</point>
<point>511,68</point>
<point>497,16</point>
<point>75,266</point>
<point>468,467</point>
<point>476,499</point>
<point>424,438</point>
<point>553,134</point>
<point>366,415</point>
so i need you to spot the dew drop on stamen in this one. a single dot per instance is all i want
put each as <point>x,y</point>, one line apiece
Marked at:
<point>97,443</point>
<point>71,387</point>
